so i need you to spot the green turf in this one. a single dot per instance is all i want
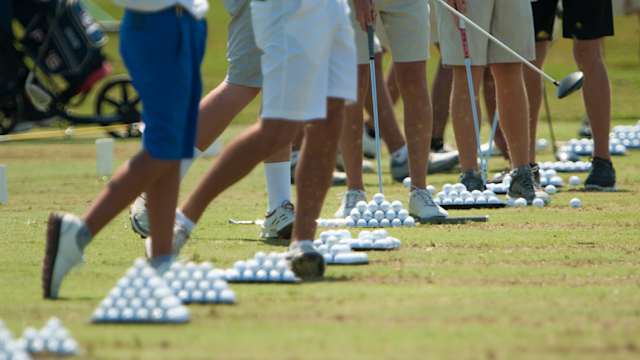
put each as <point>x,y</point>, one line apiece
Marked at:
<point>552,283</point>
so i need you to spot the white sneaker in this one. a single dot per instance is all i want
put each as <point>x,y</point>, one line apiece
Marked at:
<point>422,207</point>
<point>138,216</point>
<point>180,237</point>
<point>279,223</point>
<point>349,201</point>
<point>367,166</point>
<point>305,260</point>
<point>62,252</point>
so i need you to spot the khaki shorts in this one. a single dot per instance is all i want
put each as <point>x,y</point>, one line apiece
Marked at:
<point>242,52</point>
<point>433,22</point>
<point>406,24</point>
<point>510,21</point>
<point>625,7</point>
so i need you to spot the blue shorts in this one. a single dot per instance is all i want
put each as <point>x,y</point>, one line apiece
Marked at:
<point>163,52</point>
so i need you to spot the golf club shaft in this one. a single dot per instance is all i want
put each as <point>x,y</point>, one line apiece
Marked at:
<point>505,47</point>
<point>493,134</point>
<point>548,113</point>
<point>372,68</point>
<point>465,47</point>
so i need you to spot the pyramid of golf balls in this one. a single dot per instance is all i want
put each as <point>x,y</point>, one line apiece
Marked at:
<point>53,338</point>
<point>198,283</point>
<point>565,166</point>
<point>550,177</point>
<point>458,195</point>
<point>336,247</point>
<point>141,296</point>
<point>617,143</point>
<point>377,213</point>
<point>628,136</point>
<point>11,349</point>
<point>263,268</point>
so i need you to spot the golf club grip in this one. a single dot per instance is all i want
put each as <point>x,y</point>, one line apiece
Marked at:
<point>370,38</point>
<point>465,44</point>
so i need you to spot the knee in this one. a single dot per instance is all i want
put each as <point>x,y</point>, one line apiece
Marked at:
<point>587,52</point>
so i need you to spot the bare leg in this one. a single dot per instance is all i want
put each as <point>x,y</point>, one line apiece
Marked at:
<point>219,108</point>
<point>351,140</point>
<point>489,92</point>
<point>462,115</point>
<point>596,93</point>
<point>440,98</point>
<point>258,142</point>
<point>313,174</point>
<point>141,173</point>
<point>513,110</point>
<point>389,129</point>
<point>392,83</point>
<point>412,82</point>
<point>533,83</point>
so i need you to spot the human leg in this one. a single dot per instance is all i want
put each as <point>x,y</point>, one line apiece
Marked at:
<point>533,84</point>
<point>441,97</point>
<point>462,115</point>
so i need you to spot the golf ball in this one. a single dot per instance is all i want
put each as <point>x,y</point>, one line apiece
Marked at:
<point>373,206</point>
<point>361,223</point>
<point>511,202</point>
<point>441,195</point>
<point>385,206</point>
<point>406,182</point>
<point>396,205</point>
<point>574,180</point>
<point>465,194</point>
<point>350,223</point>
<point>373,223</point>
<point>385,223</point>
<point>447,187</point>
<point>452,194</point>
<point>354,214</point>
<point>378,198</point>
<point>378,215</point>
<point>447,201</point>
<point>481,201</point>
<point>550,189</point>
<point>543,144</point>
<point>520,202</point>
<point>367,215</point>
<point>390,215</point>
<point>332,240</point>
<point>476,194</point>
<point>537,202</point>
<point>396,222</point>
<point>494,200</point>
<point>575,203</point>
<point>458,201</point>
<point>459,187</point>
<point>469,201</point>
<point>403,214</point>
<point>556,181</point>
<point>409,221</point>
<point>431,189</point>
<point>361,206</point>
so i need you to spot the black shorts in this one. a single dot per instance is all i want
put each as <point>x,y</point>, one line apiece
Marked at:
<point>581,19</point>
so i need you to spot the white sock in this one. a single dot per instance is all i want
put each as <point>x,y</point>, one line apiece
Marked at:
<point>185,164</point>
<point>297,244</point>
<point>186,222</point>
<point>278,176</point>
<point>400,156</point>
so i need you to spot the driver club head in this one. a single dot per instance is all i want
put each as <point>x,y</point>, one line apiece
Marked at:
<point>567,156</point>
<point>570,84</point>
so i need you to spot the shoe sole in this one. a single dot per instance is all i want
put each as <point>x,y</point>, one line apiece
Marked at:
<point>310,264</point>
<point>51,252</point>
<point>136,226</point>
<point>594,187</point>
<point>285,233</point>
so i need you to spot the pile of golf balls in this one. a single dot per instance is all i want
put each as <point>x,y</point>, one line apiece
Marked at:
<point>53,338</point>
<point>628,136</point>
<point>336,247</point>
<point>263,268</point>
<point>550,177</point>
<point>11,349</point>
<point>141,296</point>
<point>458,195</point>
<point>379,213</point>
<point>565,166</point>
<point>199,283</point>
<point>618,143</point>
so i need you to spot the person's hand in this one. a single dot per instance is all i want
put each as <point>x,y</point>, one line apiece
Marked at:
<point>365,13</point>
<point>461,6</point>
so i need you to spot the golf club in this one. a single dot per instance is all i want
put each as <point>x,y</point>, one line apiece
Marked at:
<point>560,155</point>
<point>493,134</point>
<point>374,95</point>
<point>39,97</point>
<point>570,84</point>
<point>467,63</point>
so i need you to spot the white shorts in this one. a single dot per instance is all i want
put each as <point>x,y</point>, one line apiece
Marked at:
<point>309,55</point>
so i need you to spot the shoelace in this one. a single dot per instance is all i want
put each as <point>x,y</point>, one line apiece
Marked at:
<point>528,182</point>
<point>425,197</point>
<point>351,199</point>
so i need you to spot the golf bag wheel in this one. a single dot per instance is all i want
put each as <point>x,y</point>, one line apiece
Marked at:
<point>10,113</point>
<point>119,97</point>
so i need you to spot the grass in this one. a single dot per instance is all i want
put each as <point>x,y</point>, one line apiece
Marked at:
<point>553,283</point>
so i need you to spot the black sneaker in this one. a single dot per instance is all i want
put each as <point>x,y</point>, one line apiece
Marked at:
<point>535,173</point>
<point>522,186</point>
<point>585,128</point>
<point>472,180</point>
<point>602,176</point>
